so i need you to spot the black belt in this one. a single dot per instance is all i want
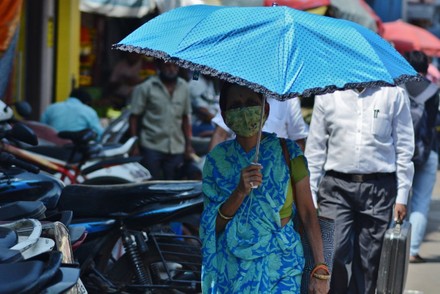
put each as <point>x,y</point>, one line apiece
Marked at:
<point>358,178</point>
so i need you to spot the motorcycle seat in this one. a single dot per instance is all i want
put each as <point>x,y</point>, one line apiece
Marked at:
<point>111,150</point>
<point>61,153</point>
<point>103,201</point>
<point>52,262</point>
<point>64,153</point>
<point>22,209</point>
<point>9,256</point>
<point>20,277</point>
<point>8,237</point>
<point>65,278</point>
<point>78,137</point>
<point>32,275</point>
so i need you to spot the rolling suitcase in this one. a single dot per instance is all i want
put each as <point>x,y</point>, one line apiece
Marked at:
<point>394,258</point>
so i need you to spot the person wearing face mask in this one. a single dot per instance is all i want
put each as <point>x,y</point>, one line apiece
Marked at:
<point>160,116</point>
<point>249,243</point>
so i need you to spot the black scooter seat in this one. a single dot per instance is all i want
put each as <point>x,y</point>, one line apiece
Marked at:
<point>52,261</point>
<point>103,201</point>
<point>64,153</point>
<point>22,209</point>
<point>9,256</point>
<point>17,277</point>
<point>78,137</point>
<point>8,237</point>
<point>66,277</point>
<point>58,152</point>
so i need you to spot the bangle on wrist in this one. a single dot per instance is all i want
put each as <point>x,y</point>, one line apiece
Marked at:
<point>320,263</point>
<point>321,277</point>
<point>222,215</point>
<point>317,267</point>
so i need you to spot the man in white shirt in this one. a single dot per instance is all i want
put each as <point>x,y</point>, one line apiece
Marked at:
<point>359,152</point>
<point>285,119</point>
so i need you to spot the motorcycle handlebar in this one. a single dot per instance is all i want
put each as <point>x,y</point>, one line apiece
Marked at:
<point>11,160</point>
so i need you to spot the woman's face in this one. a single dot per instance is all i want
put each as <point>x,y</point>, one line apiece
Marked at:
<point>239,97</point>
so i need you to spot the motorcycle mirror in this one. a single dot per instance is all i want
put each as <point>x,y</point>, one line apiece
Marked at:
<point>6,112</point>
<point>23,108</point>
<point>22,133</point>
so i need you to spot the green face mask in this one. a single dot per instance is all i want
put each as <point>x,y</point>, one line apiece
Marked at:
<point>245,122</point>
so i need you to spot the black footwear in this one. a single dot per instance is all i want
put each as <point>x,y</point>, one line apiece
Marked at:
<point>416,259</point>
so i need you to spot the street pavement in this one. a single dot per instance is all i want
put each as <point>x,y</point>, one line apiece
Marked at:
<point>424,278</point>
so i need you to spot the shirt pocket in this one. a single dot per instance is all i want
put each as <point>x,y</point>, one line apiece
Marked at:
<point>381,126</point>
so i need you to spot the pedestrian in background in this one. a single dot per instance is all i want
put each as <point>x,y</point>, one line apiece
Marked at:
<point>73,114</point>
<point>160,115</point>
<point>125,76</point>
<point>424,98</point>
<point>359,152</point>
<point>204,99</point>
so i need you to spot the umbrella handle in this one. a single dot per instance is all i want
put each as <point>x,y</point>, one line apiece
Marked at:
<point>257,148</point>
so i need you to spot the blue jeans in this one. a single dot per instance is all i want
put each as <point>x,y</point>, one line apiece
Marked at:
<point>422,187</point>
<point>162,166</point>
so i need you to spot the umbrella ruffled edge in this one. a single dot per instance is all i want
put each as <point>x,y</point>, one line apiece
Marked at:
<point>256,87</point>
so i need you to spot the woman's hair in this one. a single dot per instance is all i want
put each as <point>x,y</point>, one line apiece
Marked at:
<point>224,93</point>
<point>418,60</point>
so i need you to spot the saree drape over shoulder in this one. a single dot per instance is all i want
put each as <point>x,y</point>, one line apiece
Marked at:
<point>254,254</point>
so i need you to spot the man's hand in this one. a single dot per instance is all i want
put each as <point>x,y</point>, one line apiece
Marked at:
<point>399,212</point>
<point>189,151</point>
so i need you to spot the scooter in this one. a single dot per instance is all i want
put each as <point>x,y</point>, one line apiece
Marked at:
<point>35,245</point>
<point>82,161</point>
<point>36,257</point>
<point>129,246</point>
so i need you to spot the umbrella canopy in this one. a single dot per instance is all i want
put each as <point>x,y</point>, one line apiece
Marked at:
<point>408,37</point>
<point>277,51</point>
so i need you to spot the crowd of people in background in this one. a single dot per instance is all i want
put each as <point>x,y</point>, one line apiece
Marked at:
<point>352,133</point>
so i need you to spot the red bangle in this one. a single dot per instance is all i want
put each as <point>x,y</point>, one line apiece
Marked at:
<point>320,266</point>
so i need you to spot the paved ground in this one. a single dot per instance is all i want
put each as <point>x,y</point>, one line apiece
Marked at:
<point>425,278</point>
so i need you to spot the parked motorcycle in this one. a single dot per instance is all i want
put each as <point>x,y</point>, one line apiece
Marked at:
<point>82,161</point>
<point>129,247</point>
<point>36,257</point>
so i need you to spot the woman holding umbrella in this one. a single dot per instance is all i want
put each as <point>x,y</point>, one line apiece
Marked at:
<point>249,241</point>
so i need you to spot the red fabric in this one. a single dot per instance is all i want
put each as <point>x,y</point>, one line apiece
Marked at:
<point>298,4</point>
<point>9,19</point>
<point>407,37</point>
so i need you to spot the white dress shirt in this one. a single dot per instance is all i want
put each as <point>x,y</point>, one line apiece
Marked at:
<point>362,133</point>
<point>285,119</point>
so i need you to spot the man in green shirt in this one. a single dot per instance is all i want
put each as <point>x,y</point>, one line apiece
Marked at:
<point>161,109</point>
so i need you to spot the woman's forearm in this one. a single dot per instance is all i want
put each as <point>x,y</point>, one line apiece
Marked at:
<point>309,218</point>
<point>228,210</point>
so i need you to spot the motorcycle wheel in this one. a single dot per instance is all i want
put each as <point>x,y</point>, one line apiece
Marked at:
<point>179,255</point>
<point>105,181</point>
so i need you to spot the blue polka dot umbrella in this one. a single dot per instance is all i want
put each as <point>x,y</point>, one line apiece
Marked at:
<point>277,50</point>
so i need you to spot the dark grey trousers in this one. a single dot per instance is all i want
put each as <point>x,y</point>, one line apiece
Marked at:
<point>362,213</point>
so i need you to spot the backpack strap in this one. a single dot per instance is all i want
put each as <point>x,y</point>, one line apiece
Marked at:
<point>287,160</point>
<point>423,96</point>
